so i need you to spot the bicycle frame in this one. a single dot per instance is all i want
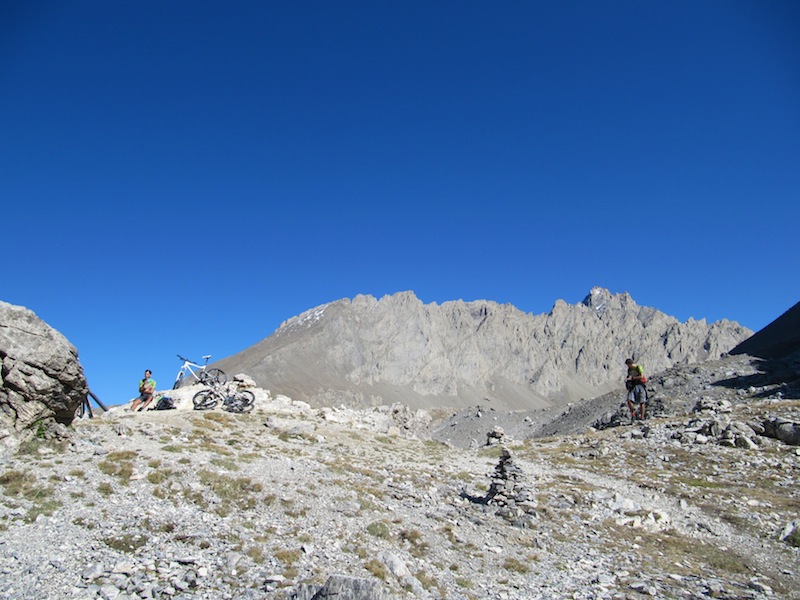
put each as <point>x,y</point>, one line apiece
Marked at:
<point>187,366</point>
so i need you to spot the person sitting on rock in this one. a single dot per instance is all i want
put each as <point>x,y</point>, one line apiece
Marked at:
<point>147,387</point>
<point>637,393</point>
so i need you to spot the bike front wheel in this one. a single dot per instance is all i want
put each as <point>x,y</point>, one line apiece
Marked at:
<point>241,402</point>
<point>204,400</point>
<point>213,377</point>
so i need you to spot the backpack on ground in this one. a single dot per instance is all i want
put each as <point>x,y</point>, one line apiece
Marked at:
<point>165,403</point>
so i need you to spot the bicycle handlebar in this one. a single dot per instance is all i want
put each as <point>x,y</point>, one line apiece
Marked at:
<point>183,359</point>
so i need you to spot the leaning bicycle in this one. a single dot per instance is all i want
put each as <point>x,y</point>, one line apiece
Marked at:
<point>235,401</point>
<point>209,377</point>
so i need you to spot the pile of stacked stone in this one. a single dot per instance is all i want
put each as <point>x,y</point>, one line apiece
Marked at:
<point>508,491</point>
<point>496,436</point>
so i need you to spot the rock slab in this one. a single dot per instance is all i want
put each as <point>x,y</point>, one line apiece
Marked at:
<point>41,379</point>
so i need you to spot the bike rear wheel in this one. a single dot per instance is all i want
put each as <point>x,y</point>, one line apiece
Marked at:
<point>204,400</point>
<point>242,401</point>
<point>213,377</point>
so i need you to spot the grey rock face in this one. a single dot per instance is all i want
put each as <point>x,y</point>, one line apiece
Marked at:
<point>41,379</point>
<point>341,587</point>
<point>367,352</point>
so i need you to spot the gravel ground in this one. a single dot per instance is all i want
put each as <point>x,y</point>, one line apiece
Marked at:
<point>186,504</point>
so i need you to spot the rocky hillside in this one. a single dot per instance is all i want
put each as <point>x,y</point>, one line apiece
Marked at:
<point>368,352</point>
<point>778,340</point>
<point>298,502</point>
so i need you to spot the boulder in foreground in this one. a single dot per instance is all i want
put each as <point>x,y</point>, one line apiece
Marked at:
<point>41,379</point>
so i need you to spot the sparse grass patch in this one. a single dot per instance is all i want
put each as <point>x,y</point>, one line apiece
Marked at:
<point>378,529</point>
<point>449,532</point>
<point>365,504</point>
<point>359,551</point>
<point>697,482</point>
<point>122,455</point>
<point>669,548</point>
<point>30,447</point>
<point>419,547</point>
<point>168,527</point>
<point>240,491</point>
<point>81,522</point>
<point>429,582</point>
<point>202,424</point>
<point>295,513</point>
<point>377,569</point>
<point>105,488</point>
<point>217,417</point>
<point>158,476</point>
<point>127,542</point>
<point>256,554</point>
<point>287,557</point>
<point>515,565</point>
<point>44,507</point>
<point>208,445</point>
<point>225,463</point>
<point>17,484</point>
<point>119,465</point>
<point>412,536</point>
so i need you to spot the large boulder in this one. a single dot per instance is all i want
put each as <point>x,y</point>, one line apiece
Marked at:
<point>41,380</point>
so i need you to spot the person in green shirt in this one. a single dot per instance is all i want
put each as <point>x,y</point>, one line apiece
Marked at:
<point>637,393</point>
<point>147,387</point>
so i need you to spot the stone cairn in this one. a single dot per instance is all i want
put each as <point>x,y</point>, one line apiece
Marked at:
<point>508,491</point>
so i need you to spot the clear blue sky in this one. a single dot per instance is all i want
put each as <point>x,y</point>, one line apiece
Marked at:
<point>183,176</point>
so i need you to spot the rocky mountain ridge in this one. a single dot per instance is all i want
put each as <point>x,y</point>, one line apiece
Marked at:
<point>367,352</point>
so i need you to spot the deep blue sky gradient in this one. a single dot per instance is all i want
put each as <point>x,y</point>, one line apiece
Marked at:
<point>181,177</point>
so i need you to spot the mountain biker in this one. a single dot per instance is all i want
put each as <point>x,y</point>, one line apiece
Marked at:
<point>637,393</point>
<point>147,387</point>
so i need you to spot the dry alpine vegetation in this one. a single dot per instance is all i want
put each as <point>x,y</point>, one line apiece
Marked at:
<point>185,504</point>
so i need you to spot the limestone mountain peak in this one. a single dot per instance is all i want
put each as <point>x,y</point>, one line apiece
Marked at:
<point>366,351</point>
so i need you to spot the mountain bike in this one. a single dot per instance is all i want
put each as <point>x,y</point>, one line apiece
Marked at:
<point>235,401</point>
<point>210,377</point>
